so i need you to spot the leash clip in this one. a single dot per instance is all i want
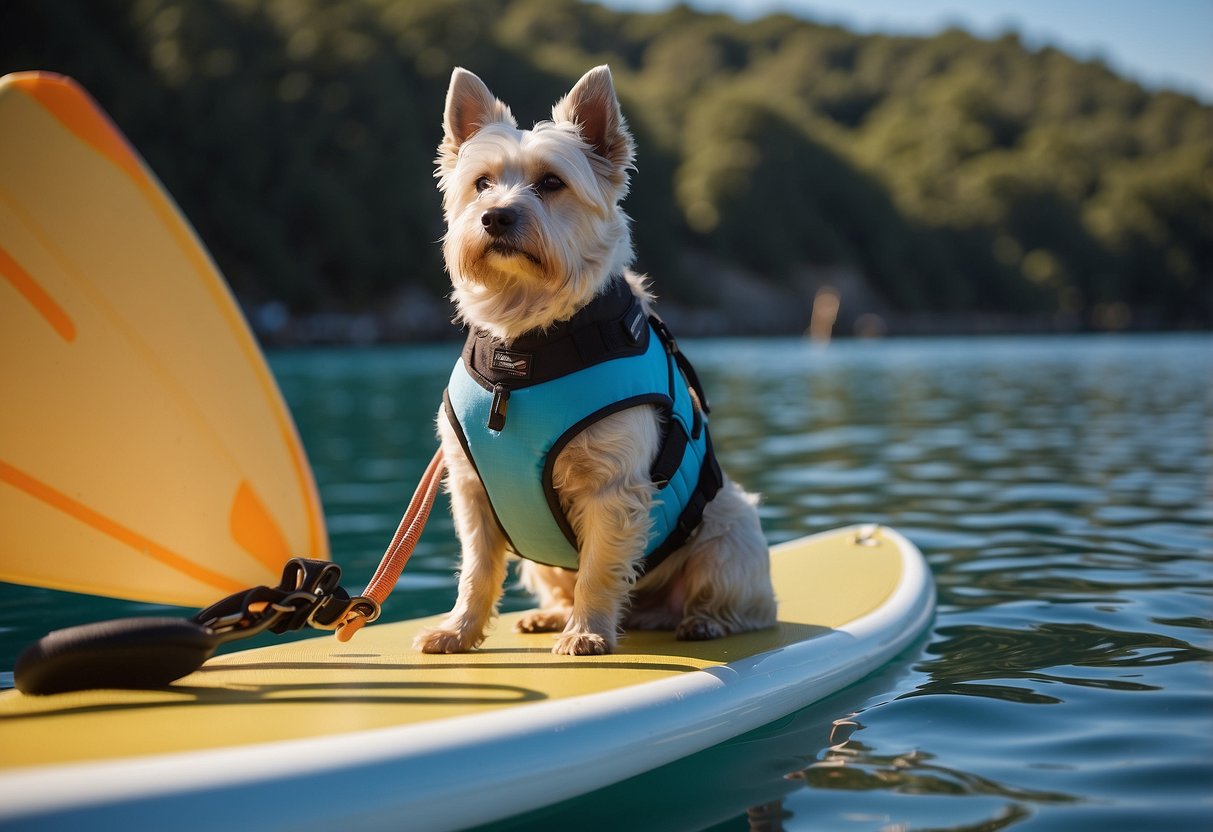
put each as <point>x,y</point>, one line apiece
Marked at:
<point>306,595</point>
<point>366,608</point>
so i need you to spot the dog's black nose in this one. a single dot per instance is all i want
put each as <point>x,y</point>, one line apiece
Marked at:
<point>499,221</point>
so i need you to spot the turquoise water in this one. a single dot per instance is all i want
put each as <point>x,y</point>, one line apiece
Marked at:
<point>1059,487</point>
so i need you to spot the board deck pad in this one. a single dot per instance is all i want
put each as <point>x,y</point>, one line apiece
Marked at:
<point>319,686</point>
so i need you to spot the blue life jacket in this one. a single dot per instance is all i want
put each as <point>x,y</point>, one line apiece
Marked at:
<point>515,406</point>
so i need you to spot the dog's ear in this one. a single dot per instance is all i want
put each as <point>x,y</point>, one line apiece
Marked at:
<point>594,108</point>
<point>469,107</point>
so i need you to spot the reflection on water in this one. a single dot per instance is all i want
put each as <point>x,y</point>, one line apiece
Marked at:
<point>1060,488</point>
<point>855,767</point>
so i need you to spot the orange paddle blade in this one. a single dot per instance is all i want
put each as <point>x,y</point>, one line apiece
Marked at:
<point>145,449</point>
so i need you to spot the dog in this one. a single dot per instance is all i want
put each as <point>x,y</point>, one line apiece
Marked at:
<point>537,244</point>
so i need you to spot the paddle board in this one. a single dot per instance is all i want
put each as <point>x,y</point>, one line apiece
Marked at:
<point>373,734</point>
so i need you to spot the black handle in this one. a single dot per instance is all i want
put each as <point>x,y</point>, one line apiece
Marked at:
<point>153,652</point>
<point>124,653</point>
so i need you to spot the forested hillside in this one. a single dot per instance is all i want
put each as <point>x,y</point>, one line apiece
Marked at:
<point>926,179</point>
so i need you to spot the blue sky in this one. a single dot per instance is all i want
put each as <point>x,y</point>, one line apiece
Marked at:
<point>1160,43</point>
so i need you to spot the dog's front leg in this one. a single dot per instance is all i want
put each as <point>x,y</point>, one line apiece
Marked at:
<point>482,568</point>
<point>606,574</point>
<point>604,485</point>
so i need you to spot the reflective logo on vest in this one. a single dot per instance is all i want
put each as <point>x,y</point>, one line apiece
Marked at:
<point>636,326</point>
<point>516,364</point>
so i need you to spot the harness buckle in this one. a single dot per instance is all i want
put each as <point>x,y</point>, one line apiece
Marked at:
<point>663,332</point>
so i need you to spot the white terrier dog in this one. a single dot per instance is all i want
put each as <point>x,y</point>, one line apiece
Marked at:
<point>613,497</point>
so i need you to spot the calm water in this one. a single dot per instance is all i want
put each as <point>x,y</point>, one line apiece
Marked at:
<point>1060,488</point>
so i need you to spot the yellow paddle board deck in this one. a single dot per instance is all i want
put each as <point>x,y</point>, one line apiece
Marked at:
<point>510,721</point>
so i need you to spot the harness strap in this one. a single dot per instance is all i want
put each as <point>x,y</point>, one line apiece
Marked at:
<point>711,480</point>
<point>669,457</point>
<point>684,363</point>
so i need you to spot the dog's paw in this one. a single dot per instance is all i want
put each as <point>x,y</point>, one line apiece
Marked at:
<point>543,621</point>
<point>581,644</point>
<point>436,640</point>
<point>699,629</point>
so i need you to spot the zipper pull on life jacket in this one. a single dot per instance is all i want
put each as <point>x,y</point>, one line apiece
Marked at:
<point>501,403</point>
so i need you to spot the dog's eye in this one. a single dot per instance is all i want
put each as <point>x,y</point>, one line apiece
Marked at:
<point>549,183</point>
<point>482,184</point>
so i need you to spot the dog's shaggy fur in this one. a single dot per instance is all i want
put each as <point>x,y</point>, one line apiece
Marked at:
<point>534,232</point>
